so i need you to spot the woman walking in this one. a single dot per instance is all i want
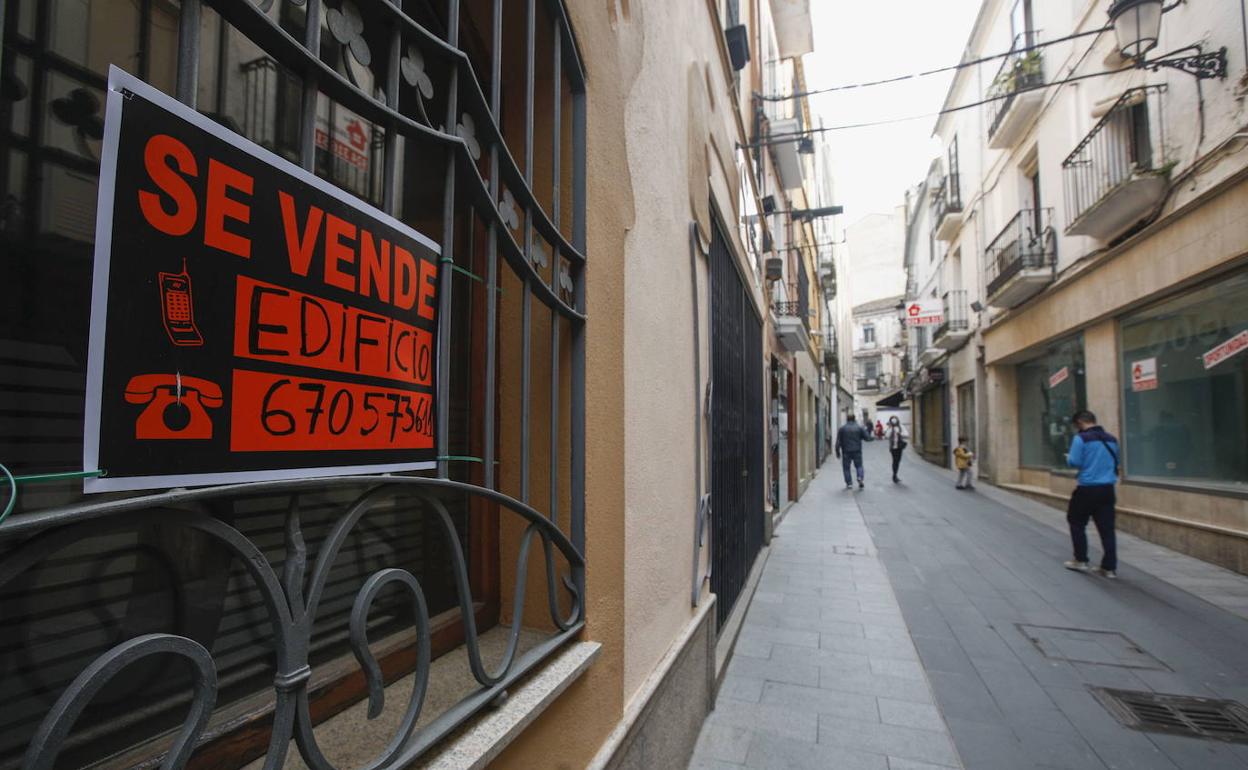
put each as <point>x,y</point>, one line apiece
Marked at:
<point>896,443</point>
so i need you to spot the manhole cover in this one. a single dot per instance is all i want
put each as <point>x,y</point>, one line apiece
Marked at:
<point>1215,720</point>
<point>1081,645</point>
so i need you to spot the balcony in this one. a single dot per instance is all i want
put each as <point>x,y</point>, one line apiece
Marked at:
<point>787,151</point>
<point>1018,93</point>
<point>827,277</point>
<point>955,330</point>
<point>930,356</point>
<point>1020,261</point>
<point>791,326</point>
<point>947,208</point>
<point>1118,174</point>
<point>867,384</point>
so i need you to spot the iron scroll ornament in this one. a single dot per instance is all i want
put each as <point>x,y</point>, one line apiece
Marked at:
<point>292,612</point>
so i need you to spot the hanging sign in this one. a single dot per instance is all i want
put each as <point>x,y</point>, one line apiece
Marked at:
<point>921,312</point>
<point>249,321</point>
<point>1060,376</point>
<point>1236,344</point>
<point>1144,375</point>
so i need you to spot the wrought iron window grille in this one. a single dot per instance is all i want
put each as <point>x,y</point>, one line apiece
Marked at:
<point>424,88</point>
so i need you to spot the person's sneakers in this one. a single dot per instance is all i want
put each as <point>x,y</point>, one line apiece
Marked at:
<point>849,486</point>
<point>861,485</point>
<point>896,480</point>
<point>1077,566</point>
<point>1106,573</point>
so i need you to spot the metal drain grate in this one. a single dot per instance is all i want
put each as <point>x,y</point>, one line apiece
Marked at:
<point>1217,720</point>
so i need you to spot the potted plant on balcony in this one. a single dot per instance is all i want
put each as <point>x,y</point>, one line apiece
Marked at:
<point>1023,71</point>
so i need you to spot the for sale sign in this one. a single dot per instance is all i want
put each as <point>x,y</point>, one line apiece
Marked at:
<point>248,320</point>
<point>1236,344</point>
<point>1144,375</point>
<point>1058,377</point>
<point>921,312</point>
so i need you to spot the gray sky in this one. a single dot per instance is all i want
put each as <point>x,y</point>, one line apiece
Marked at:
<point>860,41</point>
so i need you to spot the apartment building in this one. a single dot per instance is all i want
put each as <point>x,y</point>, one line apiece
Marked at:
<point>1080,237</point>
<point>515,525</point>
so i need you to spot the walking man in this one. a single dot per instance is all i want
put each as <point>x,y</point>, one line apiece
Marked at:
<point>849,448</point>
<point>1095,453</point>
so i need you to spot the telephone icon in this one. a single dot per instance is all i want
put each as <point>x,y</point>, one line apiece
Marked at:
<point>177,406</point>
<point>177,309</point>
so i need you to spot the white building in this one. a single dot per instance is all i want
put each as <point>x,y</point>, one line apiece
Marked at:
<point>1084,230</point>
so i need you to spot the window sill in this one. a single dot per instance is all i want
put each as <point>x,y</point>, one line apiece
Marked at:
<point>1239,492</point>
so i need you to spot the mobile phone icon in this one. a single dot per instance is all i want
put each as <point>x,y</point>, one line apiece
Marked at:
<point>177,308</point>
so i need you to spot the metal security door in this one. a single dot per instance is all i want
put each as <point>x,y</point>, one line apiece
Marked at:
<point>736,429</point>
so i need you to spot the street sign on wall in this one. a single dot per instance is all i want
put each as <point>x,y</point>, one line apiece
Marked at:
<point>921,312</point>
<point>249,321</point>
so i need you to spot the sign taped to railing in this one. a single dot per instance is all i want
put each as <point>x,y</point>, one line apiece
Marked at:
<point>249,321</point>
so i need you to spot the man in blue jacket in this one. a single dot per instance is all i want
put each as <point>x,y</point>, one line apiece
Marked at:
<point>849,448</point>
<point>1095,453</point>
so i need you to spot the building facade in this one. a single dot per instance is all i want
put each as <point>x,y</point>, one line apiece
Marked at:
<point>878,354</point>
<point>555,582</point>
<point>1080,237</point>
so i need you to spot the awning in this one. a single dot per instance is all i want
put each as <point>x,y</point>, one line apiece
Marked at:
<point>892,401</point>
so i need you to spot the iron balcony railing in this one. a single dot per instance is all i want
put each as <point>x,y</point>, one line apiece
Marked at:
<point>1022,69</point>
<point>803,293</point>
<point>868,383</point>
<point>1026,243</point>
<point>948,198</point>
<point>787,308</point>
<point>1129,141</point>
<point>956,316</point>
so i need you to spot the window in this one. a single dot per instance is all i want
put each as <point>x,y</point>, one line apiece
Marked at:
<point>1050,388</point>
<point>1184,381</point>
<point>871,369</point>
<point>868,334</point>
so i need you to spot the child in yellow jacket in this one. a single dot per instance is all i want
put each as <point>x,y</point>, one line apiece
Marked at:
<point>964,459</point>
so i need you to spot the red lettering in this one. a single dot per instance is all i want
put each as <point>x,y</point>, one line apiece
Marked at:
<point>160,149</point>
<point>299,250</point>
<point>374,266</point>
<point>404,278</point>
<point>428,286</point>
<point>336,251</point>
<point>220,206</point>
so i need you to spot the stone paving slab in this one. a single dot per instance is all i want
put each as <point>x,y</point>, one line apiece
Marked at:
<point>825,674</point>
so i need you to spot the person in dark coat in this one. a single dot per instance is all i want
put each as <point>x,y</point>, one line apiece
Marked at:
<point>849,448</point>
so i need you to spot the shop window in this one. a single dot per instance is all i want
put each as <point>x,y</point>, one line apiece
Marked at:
<point>1184,374</point>
<point>1051,388</point>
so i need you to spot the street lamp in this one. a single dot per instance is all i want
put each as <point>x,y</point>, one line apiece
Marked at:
<point>1137,26</point>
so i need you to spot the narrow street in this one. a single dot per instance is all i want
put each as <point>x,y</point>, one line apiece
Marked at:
<point>889,619</point>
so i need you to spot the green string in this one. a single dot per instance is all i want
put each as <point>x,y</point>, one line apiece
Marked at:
<point>37,478</point>
<point>464,271</point>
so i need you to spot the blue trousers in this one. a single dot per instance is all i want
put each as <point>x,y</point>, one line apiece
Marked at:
<point>856,459</point>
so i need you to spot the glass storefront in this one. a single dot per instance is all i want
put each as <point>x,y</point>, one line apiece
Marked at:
<point>1184,374</point>
<point>1050,388</point>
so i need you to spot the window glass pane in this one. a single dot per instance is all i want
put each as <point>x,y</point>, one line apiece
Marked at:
<point>1185,410</point>
<point>1050,389</point>
<point>96,33</point>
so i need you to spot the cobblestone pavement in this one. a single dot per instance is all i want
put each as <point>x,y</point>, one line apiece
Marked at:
<point>948,613</point>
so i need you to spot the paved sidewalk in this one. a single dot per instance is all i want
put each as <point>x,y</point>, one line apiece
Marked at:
<point>825,674</point>
<point>1009,645</point>
<point>1012,642</point>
